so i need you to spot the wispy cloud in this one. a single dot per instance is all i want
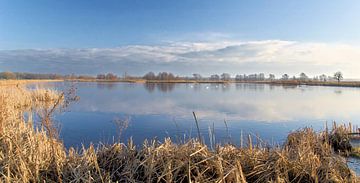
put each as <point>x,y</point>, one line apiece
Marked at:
<point>277,56</point>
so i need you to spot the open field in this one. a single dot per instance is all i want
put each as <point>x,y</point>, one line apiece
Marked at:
<point>29,154</point>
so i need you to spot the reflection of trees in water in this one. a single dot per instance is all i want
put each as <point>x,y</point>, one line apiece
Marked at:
<point>127,86</point>
<point>289,86</point>
<point>338,92</point>
<point>166,87</point>
<point>197,86</point>
<point>150,87</point>
<point>250,86</point>
<point>163,87</point>
<point>225,87</point>
<point>109,85</point>
<point>271,87</point>
<point>214,86</point>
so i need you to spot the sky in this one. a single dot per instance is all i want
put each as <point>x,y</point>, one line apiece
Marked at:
<point>183,37</point>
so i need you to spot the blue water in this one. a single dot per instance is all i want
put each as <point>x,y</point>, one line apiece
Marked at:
<point>156,111</point>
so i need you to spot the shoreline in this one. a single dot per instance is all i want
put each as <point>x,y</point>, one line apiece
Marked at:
<point>354,84</point>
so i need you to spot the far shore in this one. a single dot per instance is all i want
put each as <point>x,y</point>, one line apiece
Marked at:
<point>273,82</point>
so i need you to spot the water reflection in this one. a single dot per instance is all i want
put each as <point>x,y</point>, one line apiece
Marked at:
<point>165,87</point>
<point>270,110</point>
<point>250,86</point>
<point>150,87</point>
<point>106,85</point>
<point>162,87</point>
<point>338,92</point>
<point>289,86</point>
<point>258,102</point>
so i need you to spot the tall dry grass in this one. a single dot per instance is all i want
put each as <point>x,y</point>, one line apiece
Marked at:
<point>29,154</point>
<point>4,83</point>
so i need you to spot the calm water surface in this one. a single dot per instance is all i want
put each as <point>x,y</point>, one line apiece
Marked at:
<point>165,110</point>
<point>156,111</point>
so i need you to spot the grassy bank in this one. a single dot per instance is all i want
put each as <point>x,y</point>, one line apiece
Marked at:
<point>30,154</point>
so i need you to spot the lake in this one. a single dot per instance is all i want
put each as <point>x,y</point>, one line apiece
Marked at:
<point>156,111</point>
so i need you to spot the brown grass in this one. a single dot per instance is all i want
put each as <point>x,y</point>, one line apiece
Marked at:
<point>21,82</point>
<point>29,154</point>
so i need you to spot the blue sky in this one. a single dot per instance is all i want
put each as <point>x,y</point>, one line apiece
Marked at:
<point>35,33</point>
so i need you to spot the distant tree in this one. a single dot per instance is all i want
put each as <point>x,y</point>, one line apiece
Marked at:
<point>225,77</point>
<point>330,78</point>
<point>271,76</point>
<point>215,77</point>
<point>303,77</point>
<point>197,76</point>
<point>150,76</point>
<point>85,77</point>
<point>285,77</point>
<point>316,78</point>
<point>162,76</point>
<point>323,77</point>
<point>338,76</point>
<point>170,76</point>
<point>261,76</point>
<point>101,76</point>
<point>165,76</point>
<point>111,76</point>
<point>73,76</point>
<point>7,75</point>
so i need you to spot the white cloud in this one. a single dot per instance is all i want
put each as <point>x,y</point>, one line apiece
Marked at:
<point>275,56</point>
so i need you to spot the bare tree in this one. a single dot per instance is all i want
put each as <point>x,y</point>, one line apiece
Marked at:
<point>150,76</point>
<point>323,77</point>
<point>303,77</point>
<point>215,77</point>
<point>285,77</point>
<point>111,76</point>
<point>338,76</point>
<point>197,76</point>
<point>225,77</point>
<point>100,76</point>
<point>271,77</point>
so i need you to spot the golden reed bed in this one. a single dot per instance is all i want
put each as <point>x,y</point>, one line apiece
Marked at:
<point>22,82</point>
<point>29,154</point>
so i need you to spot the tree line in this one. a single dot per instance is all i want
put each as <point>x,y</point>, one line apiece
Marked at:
<point>24,75</point>
<point>337,76</point>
